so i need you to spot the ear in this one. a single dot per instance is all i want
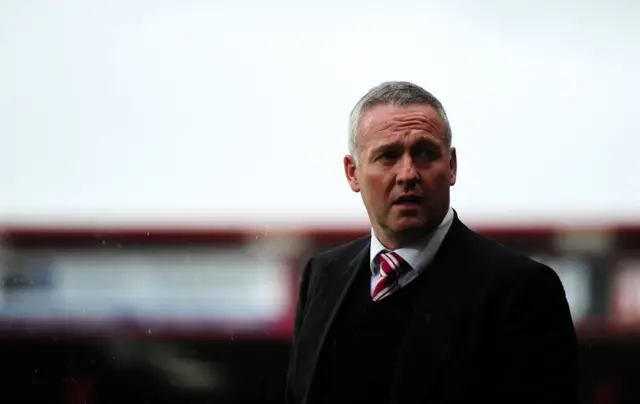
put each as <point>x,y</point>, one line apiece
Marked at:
<point>350,171</point>
<point>453,166</point>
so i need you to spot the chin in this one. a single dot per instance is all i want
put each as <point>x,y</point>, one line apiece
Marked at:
<point>407,224</point>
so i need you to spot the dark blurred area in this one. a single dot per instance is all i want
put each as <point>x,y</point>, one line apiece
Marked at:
<point>194,316</point>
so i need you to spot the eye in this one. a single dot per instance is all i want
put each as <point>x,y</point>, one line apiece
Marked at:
<point>428,152</point>
<point>388,155</point>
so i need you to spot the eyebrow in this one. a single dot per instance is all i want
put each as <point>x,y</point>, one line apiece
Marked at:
<point>385,147</point>
<point>421,143</point>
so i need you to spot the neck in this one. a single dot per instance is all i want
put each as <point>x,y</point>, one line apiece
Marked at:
<point>393,240</point>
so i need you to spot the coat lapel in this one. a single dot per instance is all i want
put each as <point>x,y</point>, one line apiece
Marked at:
<point>324,308</point>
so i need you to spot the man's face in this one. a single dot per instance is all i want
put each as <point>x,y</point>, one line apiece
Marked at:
<point>404,171</point>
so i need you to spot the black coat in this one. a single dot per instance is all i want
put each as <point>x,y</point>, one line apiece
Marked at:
<point>490,326</point>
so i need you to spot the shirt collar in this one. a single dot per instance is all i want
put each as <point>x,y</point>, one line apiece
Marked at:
<point>420,254</point>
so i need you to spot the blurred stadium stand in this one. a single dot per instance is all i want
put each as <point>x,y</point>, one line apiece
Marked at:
<point>205,316</point>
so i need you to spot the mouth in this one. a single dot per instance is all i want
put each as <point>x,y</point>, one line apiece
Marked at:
<point>408,200</point>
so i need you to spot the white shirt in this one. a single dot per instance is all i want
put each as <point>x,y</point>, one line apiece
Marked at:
<point>419,256</point>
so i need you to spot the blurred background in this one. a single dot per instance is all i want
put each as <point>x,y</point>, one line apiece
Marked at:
<point>166,168</point>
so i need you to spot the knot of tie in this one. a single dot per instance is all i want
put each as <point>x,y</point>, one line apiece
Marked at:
<point>391,266</point>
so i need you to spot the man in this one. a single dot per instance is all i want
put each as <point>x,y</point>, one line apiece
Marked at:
<point>424,310</point>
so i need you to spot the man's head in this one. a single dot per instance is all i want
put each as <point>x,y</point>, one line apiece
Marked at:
<point>401,161</point>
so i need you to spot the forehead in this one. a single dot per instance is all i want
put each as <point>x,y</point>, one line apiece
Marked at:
<point>386,123</point>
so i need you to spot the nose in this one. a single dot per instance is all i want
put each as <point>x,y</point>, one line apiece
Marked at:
<point>407,175</point>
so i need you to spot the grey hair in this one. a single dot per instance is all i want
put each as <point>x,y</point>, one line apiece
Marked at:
<point>398,93</point>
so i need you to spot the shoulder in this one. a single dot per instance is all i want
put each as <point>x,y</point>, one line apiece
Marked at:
<point>336,258</point>
<point>343,252</point>
<point>508,285</point>
<point>323,266</point>
<point>503,266</point>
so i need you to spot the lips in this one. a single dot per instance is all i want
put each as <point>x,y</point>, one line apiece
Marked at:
<point>408,200</point>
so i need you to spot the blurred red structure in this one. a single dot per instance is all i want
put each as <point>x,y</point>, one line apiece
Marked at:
<point>612,303</point>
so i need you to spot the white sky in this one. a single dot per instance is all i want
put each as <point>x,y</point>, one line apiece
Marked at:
<point>202,112</point>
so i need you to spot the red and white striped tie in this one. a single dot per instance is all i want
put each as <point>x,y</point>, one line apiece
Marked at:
<point>391,267</point>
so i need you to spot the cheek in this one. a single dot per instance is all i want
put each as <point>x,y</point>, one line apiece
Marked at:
<point>436,178</point>
<point>374,188</point>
